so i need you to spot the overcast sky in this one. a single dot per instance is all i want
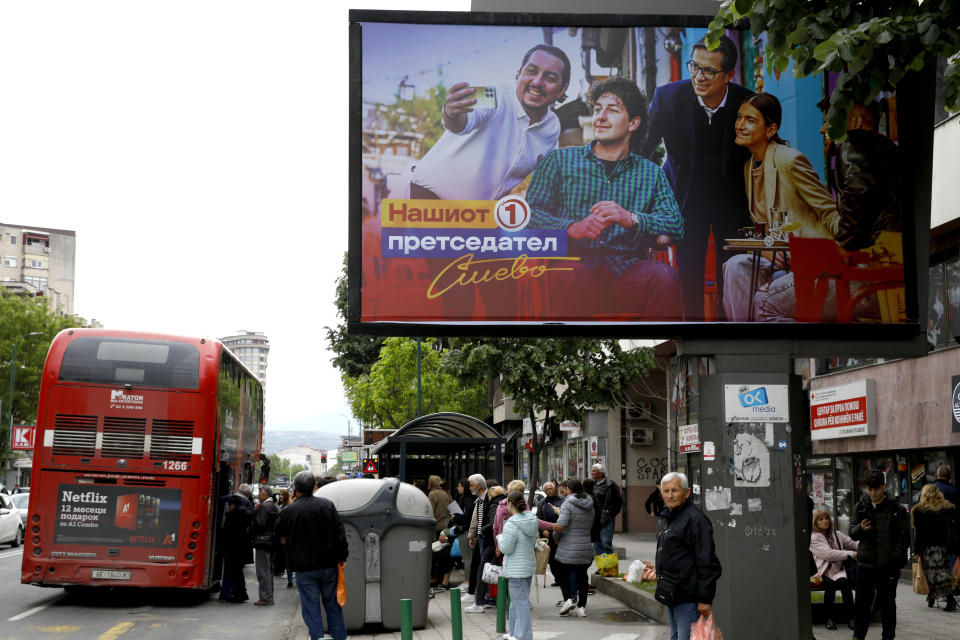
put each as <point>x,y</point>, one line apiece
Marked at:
<point>198,148</point>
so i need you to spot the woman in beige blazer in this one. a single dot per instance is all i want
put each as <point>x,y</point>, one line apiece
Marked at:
<point>776,177</point>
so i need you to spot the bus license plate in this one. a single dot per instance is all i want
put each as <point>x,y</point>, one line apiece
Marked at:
<point>110,574</point>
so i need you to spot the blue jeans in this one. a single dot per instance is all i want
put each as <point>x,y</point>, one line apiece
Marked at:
<point>606,538</point>
<point>319,588</point>
<point>681,616</point>
<point>521,627</point>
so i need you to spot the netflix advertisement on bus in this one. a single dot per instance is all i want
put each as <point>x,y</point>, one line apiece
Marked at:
<point>604,175</point>
<point>124,516</point>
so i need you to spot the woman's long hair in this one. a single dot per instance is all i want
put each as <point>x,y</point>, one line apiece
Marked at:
<point>932,500</point>
<point>818,513</point>
<point>769,107</point>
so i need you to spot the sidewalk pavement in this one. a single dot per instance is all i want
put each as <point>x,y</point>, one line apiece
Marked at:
<point>914,620</point>
<point>608,619</point>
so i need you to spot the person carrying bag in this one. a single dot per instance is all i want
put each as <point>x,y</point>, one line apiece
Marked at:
<point>262,533</point>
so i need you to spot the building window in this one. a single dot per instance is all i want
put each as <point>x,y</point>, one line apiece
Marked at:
<point>33,263</point>
<point>13,238</point>
<point>39,283</point>
<point>943,313</point>
<point>37,241</point>
<point>9,261</point>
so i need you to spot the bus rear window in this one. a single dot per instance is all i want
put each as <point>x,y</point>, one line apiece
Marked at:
<point>118,361</point>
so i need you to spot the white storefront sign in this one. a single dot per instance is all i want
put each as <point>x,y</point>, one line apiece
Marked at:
<point>844,411</point>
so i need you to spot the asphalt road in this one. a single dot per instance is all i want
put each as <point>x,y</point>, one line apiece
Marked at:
<point>32,613</point>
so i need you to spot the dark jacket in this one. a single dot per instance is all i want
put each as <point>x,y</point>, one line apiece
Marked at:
<point>235,533</point>
<point>545,508</point>
<point>606,495</point>
<point>654,504</point>
<point>685,549</point>
<point>462,522</point>
<point>314,534</point>
<point>866,177</point>
<point>885,544</point>
<point>486,531</point>
<point>949,492</point>
<point>265,517</point>
<point>932,529</point>
<point>670,118</point>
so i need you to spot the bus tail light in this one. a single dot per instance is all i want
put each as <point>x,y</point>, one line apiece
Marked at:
<point>37,551</point>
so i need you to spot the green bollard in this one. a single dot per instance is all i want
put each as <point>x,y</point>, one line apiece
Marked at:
<point>456,615</point>
<point>406,619</point>
<point>501,604</point>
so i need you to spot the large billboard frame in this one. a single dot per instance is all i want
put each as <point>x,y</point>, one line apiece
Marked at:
<point>915,104</point>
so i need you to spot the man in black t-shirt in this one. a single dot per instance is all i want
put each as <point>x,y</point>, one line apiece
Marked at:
<point>316,544</point>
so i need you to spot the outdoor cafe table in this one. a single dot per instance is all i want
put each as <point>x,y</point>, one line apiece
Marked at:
<point>755,246</point>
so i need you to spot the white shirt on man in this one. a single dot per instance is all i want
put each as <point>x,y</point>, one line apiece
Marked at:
<point>494,153</point>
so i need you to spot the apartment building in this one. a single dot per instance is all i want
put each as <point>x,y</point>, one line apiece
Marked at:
<point>39,262</point>
<point>251,348</point>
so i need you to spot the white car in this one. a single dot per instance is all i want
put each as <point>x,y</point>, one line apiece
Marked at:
<point>22,500</point>
<point>11,527</point>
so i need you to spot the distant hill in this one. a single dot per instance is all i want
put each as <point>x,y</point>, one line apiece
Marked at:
<point>274,441</point>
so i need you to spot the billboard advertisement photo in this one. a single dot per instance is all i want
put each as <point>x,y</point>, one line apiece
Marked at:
<point>147,517</point>
<point>516,173</point>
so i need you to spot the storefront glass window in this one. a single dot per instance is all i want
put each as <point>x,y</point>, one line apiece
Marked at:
<point>896,486</point>
<point>923,471</point>
<point>937,327</point>
<point>820,483</point>
<point>847,492</point>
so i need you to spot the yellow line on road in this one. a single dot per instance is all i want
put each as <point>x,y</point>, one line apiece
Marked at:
<point>116,631</point>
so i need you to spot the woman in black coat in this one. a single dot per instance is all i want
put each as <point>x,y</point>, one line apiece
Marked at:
<point>932,518</point>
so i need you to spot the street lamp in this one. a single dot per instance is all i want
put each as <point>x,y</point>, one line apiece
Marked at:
<point>13,376</point>
<point>348,423</point>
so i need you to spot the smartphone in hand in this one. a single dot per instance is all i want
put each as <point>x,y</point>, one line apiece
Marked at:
<point>486,97</point>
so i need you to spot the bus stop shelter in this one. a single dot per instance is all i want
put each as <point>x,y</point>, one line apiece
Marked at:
<point>450,445</point>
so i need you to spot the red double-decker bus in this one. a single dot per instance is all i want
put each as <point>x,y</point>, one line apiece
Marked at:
<point>138,436</point>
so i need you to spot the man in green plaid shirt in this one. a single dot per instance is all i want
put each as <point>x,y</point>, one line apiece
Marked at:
<point>614,205</point>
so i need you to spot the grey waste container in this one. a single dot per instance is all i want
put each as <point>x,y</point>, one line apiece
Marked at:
<point>390,529</point>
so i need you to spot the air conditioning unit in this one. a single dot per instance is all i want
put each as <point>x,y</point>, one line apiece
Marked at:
<point>46,249</point>
<point>641,436</point>
<point>641,411</point>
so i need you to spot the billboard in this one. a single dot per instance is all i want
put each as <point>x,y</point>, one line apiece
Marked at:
<point>94,514</point>
<point>596,174</point>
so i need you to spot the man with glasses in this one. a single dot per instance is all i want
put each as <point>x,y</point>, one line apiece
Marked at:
<point>695,120</point>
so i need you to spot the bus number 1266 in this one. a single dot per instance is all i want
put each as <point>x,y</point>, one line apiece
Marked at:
<point>175,465</point>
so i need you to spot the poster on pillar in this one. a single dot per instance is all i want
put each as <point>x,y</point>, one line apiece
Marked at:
<point>508,170</point>
<point>748,446</point>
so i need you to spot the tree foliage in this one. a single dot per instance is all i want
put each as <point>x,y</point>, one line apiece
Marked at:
<point>422,114</point>
<point>387,396</point>
<point>19,316</point>
<point>870,45</point>
<point>355,355</point>
<point>549,378</point>
<point>283,466</point>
